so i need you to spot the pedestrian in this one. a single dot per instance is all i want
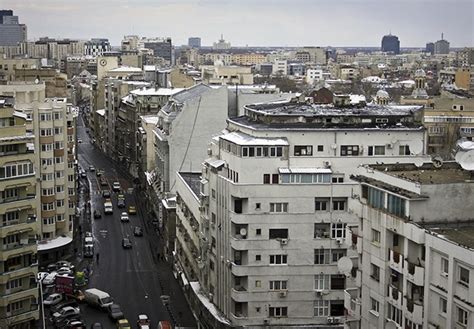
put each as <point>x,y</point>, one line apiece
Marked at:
<point>158,255</point>
<point>97,258</point>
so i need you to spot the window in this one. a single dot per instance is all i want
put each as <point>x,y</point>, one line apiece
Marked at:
<point>258,231</point>
<point>211,265</point>
<point>213,193</point>
<point>320,148</point>
<point>59,173</point>
<point>278,312</point>
<point>257,206</point>
<point>57,115</point>
<point>404,150</point>
<point>303,150</point>
<point>47,206</point>
<point>338,282</point>
<point>258,258</point>
<point>463,276</point>
<point>321,307</point>
<point>47,191</point>
<point>375,272</point>
<point>275,179</point>
<point>11,217</point>
<point>338,178</point>
<point>46,132</point>
<point>278,285</point>
<point>16,170</point>
<point>278,259</point>
<point>396,205</point>
<point>349,150</point>
<point>321,281</point>
<point>374,305</point>
<point>58,145</point>
<point>47,162</point>
<point>60,203</point>
<point>395,314</point>
<point>15,306</point>
<point>278,233</point>
<point>339,205</point>
<point>376,150</point>
<point>266,178</point>
<point>321,256</point>
<point>321,204</point>
<point>375,236</point>
<point>338,230</point>
<point>58,131</point>
<point>443,305</point>
<point>258,283</point>
<point>462,316</point>
<point>48,220</point>
<point>337,254</point>
<point>444,266</point>
<point>59,188</point>
<point>45,116</point>
<point>376,198</point>
<point>15,283</point>
<point>46,147</point>
<point>279,207</point>
<point>58,160</point>
<point>321,231</point>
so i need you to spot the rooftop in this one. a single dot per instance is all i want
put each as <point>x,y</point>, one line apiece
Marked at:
<point>193,180</point>
<point>464,236</point>
<point>448,173</point>
<point>156,92</point>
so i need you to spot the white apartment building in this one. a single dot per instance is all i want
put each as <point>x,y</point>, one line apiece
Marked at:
<point>261,229</point>
<point>313,75</point>
<point>52,121</point>
<point>280,66</point>
<point>416,247</point>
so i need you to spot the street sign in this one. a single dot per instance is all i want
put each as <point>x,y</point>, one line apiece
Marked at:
<point>64,284</point>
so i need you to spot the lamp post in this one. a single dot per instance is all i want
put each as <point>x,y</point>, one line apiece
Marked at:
<point>41,299</point>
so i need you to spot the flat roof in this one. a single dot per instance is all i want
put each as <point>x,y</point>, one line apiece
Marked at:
<point>448,173</point>
<point>463,236</point>
<point>193,180</point>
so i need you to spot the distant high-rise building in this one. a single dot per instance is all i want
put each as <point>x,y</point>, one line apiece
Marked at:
<point>11,31</point>
<point>441,47</point>
<point>221,44</point>
<point>430,48</point>
<point>390,43</point>
<point>194,42</point>
<point>162,47</point>
<point>97,47</point>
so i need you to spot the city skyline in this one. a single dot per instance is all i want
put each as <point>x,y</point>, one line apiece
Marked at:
<point>354,23</point>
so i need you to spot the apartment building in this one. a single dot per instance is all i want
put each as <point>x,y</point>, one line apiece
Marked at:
<point>415,247</point>
<point>249,58</point>
<point>227,75</point>
<point>52,121</point>
<point>19,227</point>
<point>260,230</point>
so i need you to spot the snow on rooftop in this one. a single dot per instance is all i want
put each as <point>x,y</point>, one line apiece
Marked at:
<point>54,243</point>
<point>356,99</point>
<point>207,303</point>
<point>156,92</point>
<point>244,139</point>
<point>101,112</point>
<point>150,119</point>
<point>305,171</point>
<point>126,69</point>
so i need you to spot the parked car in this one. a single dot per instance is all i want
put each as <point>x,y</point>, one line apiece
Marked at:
<point>143,322</point>
<point>115,313</point>
<point>65,271</point>
<point>91,168</point>
<point>65,263</point>
<point>132,210</point>
<point>123,324</point>
<point>99,172</point>
<point>106,194</point>
<point>52,267</point>
<point>65,312</point>
<point>53,299</point>
<point>121,203</point>
<point>79,140</point>
<point>98,298</point>
<point>41,275</point>
<point>58,307</point>
<point>63,322</point>
<point>88,240</point>
<point>89,251</point>
<point>97,325</point>
<point>75,324</point>
<point>50,278</point>
<point>97,214</point>
<point>116,186</point>
<point>103,181</point>
<point>124,217</point>
<point>82,173</point>
<point>126,243</point>
<point>137,231</point>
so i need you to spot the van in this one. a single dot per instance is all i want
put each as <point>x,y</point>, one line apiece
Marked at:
<point>97,298</point>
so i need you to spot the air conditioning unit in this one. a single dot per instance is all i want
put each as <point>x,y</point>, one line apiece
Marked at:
<point>389,146</point>
<point>339,240</point>
<point>284,241</point>
<point>327,164</point>
<point>282,293</point>
<point>330,320</point>
<point>209,151</point>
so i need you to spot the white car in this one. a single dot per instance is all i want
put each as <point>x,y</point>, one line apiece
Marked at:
<point>50,278</point>
<point>53,299</point>
<point>116,187</point>
<point>65,270</point>
<point>124,217</point>
<point>66,311</point>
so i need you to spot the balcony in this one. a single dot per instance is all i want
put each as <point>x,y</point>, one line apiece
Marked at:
<point>239,244</point>
<point>6,201</point>
<point>32,292</point>
<point>28,247</point>
<point>414,273</point>
<point>413,311</point>
<point>24,271</point>
<point>352,303</point>
<point>18,227</point>
<point>395,296</point>
<point>32,313</point>
<point>239,294</point>
<point>395,261</point>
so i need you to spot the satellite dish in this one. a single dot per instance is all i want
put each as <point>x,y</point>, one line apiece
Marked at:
<point>344,265</point>
<point>243,232</point>
<point>418,162</point>
<point>467,160</point>
<point>437,162</point>
<point>416,147</point>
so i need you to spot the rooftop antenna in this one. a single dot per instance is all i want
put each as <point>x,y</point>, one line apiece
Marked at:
<point>442,36</point>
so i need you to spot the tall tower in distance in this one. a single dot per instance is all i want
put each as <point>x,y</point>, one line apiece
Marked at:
<point>11,31</point>
<point>390,43</point>
<point>194,42</point>
<point>441,47</point>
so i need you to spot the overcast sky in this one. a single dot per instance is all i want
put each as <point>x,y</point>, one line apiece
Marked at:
<point>253,22</point>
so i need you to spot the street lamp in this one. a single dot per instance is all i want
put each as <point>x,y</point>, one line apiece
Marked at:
<point>41,299</point>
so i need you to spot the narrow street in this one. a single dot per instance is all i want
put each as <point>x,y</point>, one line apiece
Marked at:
<point>135,278</point>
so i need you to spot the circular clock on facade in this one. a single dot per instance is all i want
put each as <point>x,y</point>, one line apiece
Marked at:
<point>103,62</point>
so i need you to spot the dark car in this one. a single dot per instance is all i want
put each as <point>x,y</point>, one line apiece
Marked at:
<point>97,325</point>
<point>103,181</point>
<point>137,231</point>
<point>75,324</point>
<point>97,214</point>
<point>63,322</point>
<point>106,194</point>
<point>121,203</point>
<point>126,243</point>
<point>115,313</point>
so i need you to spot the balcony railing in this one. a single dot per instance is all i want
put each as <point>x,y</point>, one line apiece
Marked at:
<point>396,261</point>
<point>415,273</point>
